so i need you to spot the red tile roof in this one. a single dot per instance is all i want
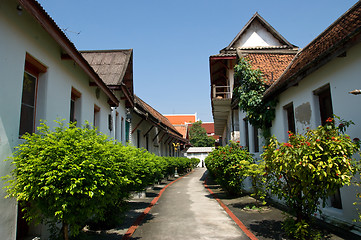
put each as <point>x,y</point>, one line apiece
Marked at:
<point>341,35</point>
<point>272,65</point>
<point>209,127</point>
<point>181,119</point>
<point>182,129</point>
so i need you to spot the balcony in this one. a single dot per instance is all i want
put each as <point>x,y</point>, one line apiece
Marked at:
<point>221,92</point>
<point>221,107</point>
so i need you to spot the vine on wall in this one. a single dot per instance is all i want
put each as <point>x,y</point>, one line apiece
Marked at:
<point>260,113</point>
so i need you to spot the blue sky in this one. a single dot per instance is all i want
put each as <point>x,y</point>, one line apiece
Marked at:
<point>173,39</point>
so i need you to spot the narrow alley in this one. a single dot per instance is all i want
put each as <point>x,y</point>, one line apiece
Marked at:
<point>187,210</point>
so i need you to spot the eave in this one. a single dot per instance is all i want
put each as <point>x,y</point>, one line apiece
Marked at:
<point>35,9</point>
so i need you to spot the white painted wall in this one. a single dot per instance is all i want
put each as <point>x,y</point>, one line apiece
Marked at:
<point>256,36</point>
<point>20,34</point>
<point>343,75</point>
<point>199,152</point>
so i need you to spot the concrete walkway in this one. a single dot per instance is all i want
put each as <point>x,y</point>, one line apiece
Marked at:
<point>186,210</point>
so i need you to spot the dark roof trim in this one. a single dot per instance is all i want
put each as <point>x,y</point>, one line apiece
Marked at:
<point>242,51</point>
<point>267,26</point>
<point>222,57</point>
<point>36,10</point>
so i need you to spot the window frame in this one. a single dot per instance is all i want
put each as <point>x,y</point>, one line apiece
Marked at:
<point>290,117</point>
<point>96,117</point>
<point>33,68</point>
<point>75,96</point>
<point>246,132</point>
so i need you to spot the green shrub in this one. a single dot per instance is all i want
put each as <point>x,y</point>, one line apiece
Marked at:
<point>307,169</point>
<point>66,175</point>
<point>76,175</point>
<point>230,165</point>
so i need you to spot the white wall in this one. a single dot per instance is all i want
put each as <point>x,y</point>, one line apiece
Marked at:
<point>343,75</point>
<point>199,152</point>
<point>20,34</point>
<point>255,36</point>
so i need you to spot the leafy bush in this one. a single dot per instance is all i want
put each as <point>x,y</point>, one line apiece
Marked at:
<point>309,168</point>
<point>230,165</point>
<point>66,175</point>
<point>72,175</point>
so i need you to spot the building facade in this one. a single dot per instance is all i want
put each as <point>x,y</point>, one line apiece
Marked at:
<point>44,77</point>
<point>310,85</point>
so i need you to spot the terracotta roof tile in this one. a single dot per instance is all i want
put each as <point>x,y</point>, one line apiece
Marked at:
<point>337,37</point>
<point>182,129</point>
<point>272,65</point>
<point>181,119</point>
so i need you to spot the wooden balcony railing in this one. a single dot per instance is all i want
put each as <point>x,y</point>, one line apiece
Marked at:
<point>222,92</point>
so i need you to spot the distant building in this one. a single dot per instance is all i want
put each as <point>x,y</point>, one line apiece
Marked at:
<point>209,127</point>
<point>199,152</point>
<point>181,121</point>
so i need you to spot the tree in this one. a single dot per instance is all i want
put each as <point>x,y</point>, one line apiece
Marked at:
<point>307,169</point>
<point>67,175</point>
<point>198,136</point>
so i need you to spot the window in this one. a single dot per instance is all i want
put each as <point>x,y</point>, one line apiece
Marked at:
<point>147,142</point>
<point>116,130</point>
<point>326,111</point>
<point>335,199</point>
<point>127,130</point>
<point>122,129</point>
<point>96,119</point>
<point>245,122</point>
<point>290,116</point>
<point>33,69</point>
<point>74,105</point>
<point>255,139</point>
<point>325,102</point>
<point>138,138</point>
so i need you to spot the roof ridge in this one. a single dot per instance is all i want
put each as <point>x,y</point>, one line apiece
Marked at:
<point>268,26</point>
<point>106,50</point>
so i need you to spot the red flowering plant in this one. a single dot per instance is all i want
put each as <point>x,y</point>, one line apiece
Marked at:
<point>308,168</point>
<point>230,165</point>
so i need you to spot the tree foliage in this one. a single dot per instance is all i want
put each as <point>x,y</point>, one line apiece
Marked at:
<point>66,175</point>
<point>250,91</point>
<point>307,169</point>
<point>230,165</point>
<point>198,136</point>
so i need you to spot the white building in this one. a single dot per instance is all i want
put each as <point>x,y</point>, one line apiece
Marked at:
<point>262,45</point>
<point>152,131</point>
<point>316,85</point>
<point>43,77</point>
<point>309,86</point>
<point>199,152</point>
